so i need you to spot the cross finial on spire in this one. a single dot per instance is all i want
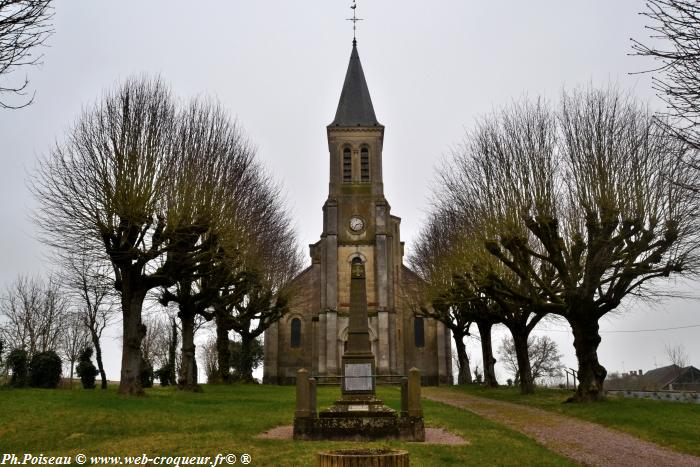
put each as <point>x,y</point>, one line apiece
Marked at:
<point>354,20</point>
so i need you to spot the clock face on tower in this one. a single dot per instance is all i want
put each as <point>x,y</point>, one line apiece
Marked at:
<point>356,224</point>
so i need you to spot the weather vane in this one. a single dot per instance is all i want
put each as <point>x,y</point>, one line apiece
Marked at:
<point>354,20</point>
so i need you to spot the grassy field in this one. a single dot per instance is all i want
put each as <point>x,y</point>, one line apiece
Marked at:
<point>226,420</point>
<point>672,424</point>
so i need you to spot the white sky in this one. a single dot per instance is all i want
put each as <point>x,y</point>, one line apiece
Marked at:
<point>432,68</point>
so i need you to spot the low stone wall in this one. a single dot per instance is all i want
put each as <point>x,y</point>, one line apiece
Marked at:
<point>359,428</point>
<point>670,396</point>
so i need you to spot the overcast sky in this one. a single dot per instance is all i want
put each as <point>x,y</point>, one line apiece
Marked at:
<point>432,69</point>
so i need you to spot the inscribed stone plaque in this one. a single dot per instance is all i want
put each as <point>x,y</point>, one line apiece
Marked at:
<point>358,408</point>
<point>358,376</point>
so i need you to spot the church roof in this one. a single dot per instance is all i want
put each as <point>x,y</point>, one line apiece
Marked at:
<point>355,105</point>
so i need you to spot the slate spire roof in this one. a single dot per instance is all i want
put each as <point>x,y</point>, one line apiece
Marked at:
<point>355,105</point>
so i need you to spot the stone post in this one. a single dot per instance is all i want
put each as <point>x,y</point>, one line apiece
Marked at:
<point>404,397</point>
<point>312,397</point>
<point>302,394</point>
<point>414,406</point>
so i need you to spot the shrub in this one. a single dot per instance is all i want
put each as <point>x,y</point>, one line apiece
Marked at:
<point>17,363</point>
<point>146,375</point>
<point>45,370</point>
<point>165,374</point>
<point>86,370</point>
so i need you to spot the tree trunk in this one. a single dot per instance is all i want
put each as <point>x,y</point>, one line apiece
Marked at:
<point>98,358</point>
<point>487,354</point>
<point>527,385</point>
<point>188,368</point>
<point>223,352</point>
<point>246,363</point>
<point>172,351</point>
<point>72,364</point>
<point>591,374</point>
<point>464,376</point>
<point>133,333</point>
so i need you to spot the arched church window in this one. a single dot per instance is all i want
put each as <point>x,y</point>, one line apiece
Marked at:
<point>296,333</point>
<point>347,165</point>
<point>419,331</point>
<point>364,165</point>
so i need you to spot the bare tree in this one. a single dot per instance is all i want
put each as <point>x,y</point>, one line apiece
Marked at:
<point>24,26</point>
<point>89,281</point>
<point>34,314</point>
<point>74,338</point>
<point>435,296</point>
<point>105,190</point>
<point>581,209</point>
<point>156,341</point>
<point>545,360</point>
<point>259,264</point>
<point>215,176</point>
<point>677,355</point>
<point>210,358</point>
<point>252,257</point>
<point>675,45</point>
<point>469,280</point>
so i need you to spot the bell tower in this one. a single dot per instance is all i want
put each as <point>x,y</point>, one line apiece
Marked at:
<point>357,221</point>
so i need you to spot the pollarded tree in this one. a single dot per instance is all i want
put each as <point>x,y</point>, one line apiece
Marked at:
<point>483,187</point>
<point>259,258</point>
<point>216,164</point>
<point>107,189</point>
<point>589,218</point>
<point>435,261</point>
<point>101,191</point>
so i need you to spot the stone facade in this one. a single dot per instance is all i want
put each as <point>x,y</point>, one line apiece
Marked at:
<point>357,223</point>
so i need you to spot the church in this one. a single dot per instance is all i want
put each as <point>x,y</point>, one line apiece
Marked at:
<point>357,223</point>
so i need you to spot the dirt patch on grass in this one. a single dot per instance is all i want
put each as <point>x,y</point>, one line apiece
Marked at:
<point>442,436</point>
<point>278,432</point>
<point>432,435</point>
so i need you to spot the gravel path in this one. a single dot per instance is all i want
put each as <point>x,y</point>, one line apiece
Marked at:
<point>584,442</point>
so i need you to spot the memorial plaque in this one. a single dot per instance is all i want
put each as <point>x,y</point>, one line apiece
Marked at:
<point>358,377</point>
<point>358,408</point>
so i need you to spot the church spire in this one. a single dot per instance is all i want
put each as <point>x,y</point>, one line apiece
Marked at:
<point>355,105</point>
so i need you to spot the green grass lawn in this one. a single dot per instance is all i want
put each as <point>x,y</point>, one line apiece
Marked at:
<point>672,424</point>
<point>226,419</point>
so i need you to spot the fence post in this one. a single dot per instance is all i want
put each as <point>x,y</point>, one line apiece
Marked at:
<point>302,394</point>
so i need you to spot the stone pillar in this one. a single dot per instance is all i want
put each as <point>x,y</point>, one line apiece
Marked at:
<point>322,340</point>
<point>404,396</point>
<point>331,252</point>
<point>358,329</point>
<point>314,345</point>
<point>271,362</point>
<point>380,267</point>
<point>332,342</point>
<point>393,346</point>
<point>441,362</point>
<point>414,405</point>
<point>303,396</point>
<point>312,397</point>
<point>332,272</point>
<point>383,341</point>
